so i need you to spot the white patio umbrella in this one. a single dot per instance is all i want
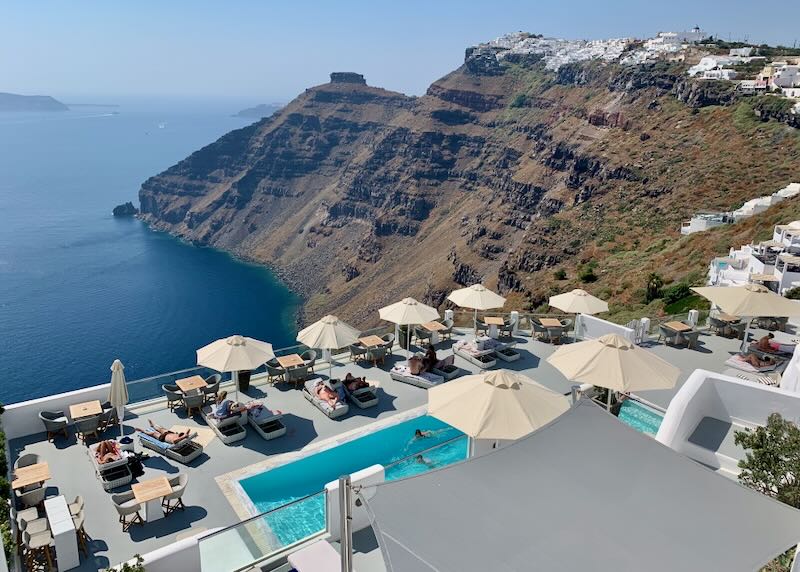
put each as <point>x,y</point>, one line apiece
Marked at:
<point>118,392</point>
<point>497,405</point>
<point>748,302</point>
<point>476,297</point>
<point>235,353</point>
<point>614,362</point>
<point>578,302</point>
<point>329,333</point>
<point>408,312</point>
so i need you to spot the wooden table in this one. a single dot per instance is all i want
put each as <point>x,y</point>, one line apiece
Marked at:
<point>494,321</point>
<point>678,326</point>
<point>150,493</point>
<point>727,317</point>
<point>434,326</point>
<point>371,341</point>
<point>30,475</point>
<point>550,322</point>
<point>292,360</point>
<point>87,409</point>
<point>188,384</point>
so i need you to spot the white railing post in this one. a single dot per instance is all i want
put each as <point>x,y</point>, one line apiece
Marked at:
<point>694,317</point>
<point>448,314</point>
<point>645,328</point>
<point>514,317</point>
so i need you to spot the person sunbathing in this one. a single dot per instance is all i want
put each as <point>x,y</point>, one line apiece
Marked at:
<point>224,407</point>
<point>162,434</point>
<point>326,394</point>
<point>107,451</point>
<point>354,383</point>
<point>430,359</point>
<point>765,344</point>
<point>755,361</point>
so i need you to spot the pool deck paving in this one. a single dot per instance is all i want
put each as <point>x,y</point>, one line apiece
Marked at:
<point>211,497</point>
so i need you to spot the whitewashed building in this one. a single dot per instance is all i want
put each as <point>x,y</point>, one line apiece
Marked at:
<point>704,221</point>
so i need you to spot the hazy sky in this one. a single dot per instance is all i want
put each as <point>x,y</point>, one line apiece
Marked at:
<point>270,51</point>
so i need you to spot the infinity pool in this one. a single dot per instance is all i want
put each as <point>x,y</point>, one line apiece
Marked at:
<point>394,447</point>
<point>640,417</point>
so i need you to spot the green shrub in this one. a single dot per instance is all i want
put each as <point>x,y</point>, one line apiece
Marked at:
<point>793,294</point>
<point>676,292</point>
<point>127,567</point>
<point>560,274</point>
<point>587,275</point>
<point>519,100</point>
<point>653,287</point>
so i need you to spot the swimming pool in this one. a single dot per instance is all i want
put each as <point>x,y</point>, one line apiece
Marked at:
<point>640,416</point>
<point>394,447</point>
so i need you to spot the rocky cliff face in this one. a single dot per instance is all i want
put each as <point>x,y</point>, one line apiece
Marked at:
<point>503,172</point>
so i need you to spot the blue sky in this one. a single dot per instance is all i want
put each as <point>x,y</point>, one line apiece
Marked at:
<point>270,51</point>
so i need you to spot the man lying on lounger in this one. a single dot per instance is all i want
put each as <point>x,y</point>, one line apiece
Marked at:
<point>353,383</point>
<point>326,394</point>
<point>162,434</point>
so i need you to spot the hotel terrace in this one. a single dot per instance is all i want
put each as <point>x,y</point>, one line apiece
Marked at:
<point>266,495</point>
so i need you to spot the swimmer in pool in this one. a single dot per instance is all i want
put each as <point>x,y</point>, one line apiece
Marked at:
<point>423,461</point>
<point>420,434</point>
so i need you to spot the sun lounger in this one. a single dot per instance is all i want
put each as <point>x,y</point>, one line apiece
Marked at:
<point>737,363</point>
<point>425,380</point>
<point>448,372</point>
<point>334,412</point>
<point>506,352</point>
<point>184,451</point>
<point>319,556</point>
<point>230,429</point>
<point>482,358</point>
<point>362,398</point>
<point>112,474</point>
<point>266,423</point>
<point>757,378</point>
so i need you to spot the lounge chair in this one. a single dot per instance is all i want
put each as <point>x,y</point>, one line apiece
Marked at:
<point>212,387</point>
<point>425,380</point>
<point>112,474</point>
<point>54,422</point>
<point>266,423</point>
<point>506,353</point>
<point>475,354</point>
<point>362,398</point>
<point>184,451</point>
<point>341,408</point>
<point>174,396</point>
<point>230,429</point>
<point>737,362</point>
<point>316,557</point>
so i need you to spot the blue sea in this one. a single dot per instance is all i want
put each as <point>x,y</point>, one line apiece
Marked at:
<point>79,288</point>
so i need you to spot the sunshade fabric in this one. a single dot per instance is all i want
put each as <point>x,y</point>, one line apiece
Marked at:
<point>495,405</point>
<point>614,362</point>
<point>583,493</point>
<point>329,333</point>
<point>476,297</point>
<point>118,392</point>
<point>408,311</point>
<point>235,353</point>
<point>578,302</point>
<point>752,300</point>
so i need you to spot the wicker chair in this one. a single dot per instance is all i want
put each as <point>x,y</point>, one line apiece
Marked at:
<point>447,332</point>
<point>481,326</point>
<point>174,396</point>
<point>377,354</point>
<point>737,329</point>
<point>309,358</point>
<point>358,352</point>
<point>423,336</point>
<point>717,326</point>
<point>388,342</point>
<point>194,400</point>
<point>26,460</point>
<point>275,373</point>
<point>297,374</point>
<point>506,330</point>
<point>55,422</point>
<point>538,330</point>
<point>126,507</point>
<point>88,426</point>
<point>178,484</point>
<point>691,338</point>
<point>212,386</point>
<point>554,334</point>
<point>667,334</point>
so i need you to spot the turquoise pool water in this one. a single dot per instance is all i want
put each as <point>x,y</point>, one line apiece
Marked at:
<point>394,447</point>
<point>640,417</point>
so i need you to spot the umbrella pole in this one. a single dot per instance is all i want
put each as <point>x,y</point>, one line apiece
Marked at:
<point>475,322</point>
<point>746,335</point>
<point>235,378</point>
<point>608,400</point>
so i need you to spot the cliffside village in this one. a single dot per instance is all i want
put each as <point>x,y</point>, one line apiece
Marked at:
<point>778,76</point>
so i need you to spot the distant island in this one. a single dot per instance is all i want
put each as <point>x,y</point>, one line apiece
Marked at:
<point>16,102</point>
<point>259,111</point>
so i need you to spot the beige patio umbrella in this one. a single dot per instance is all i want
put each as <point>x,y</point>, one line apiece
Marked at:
<point>328,333</point>
<point>118,392</point>
<point>498,405</point>
<point>614,362</point>
<point>578,302</point>
<point>748,302</point>
<point>408,312</point>
<point>476,297</point>
<point>235,353</point>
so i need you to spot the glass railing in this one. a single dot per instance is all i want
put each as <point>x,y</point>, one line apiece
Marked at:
<point>150,387</point>
<point>264,536</point>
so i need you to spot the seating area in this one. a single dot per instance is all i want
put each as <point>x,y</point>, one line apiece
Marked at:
<point>290,424</point>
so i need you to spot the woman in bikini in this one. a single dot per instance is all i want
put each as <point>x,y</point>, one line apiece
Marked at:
<point>326,394</point>
<point>162,434</point>
<point>106,452</point>
<point>353,383</point>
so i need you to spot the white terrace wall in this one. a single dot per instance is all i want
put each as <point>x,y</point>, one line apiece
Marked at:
<point>592,328</point>
<point>21,419</point>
